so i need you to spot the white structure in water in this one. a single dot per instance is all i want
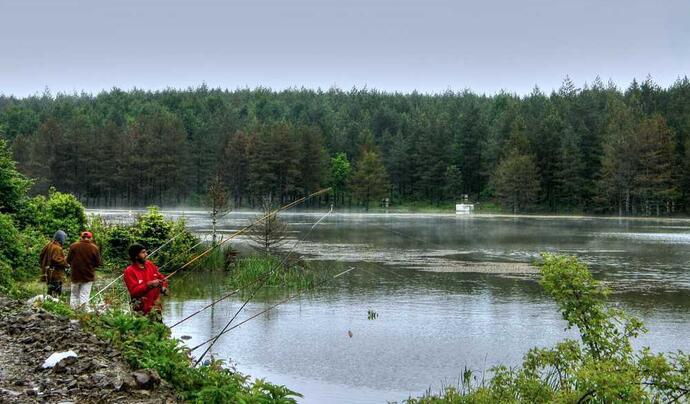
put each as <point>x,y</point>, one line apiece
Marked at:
<point>464,208</point>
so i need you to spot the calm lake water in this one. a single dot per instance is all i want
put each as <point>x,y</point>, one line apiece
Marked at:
<point>450,292</point>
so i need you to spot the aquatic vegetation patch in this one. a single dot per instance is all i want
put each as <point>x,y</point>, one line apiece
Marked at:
<point>271,271</point>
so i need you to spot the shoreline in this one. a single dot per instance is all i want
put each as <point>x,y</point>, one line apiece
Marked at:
<point>202,212</point>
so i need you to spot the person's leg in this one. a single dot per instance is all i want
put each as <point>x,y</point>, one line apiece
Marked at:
<point>74,297</point>
<point>85,294</point>
<point>55,288</point>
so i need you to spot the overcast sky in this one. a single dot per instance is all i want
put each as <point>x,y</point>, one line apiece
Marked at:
<point>393,45</point>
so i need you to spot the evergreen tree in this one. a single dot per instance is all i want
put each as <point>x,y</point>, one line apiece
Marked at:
<point>370,180</point>
<point>13,185</point>
<point>516,181</point>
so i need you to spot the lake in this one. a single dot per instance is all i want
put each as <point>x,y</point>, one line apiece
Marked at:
<point>450,292</point>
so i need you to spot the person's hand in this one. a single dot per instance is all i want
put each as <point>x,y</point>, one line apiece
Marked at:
<point>153,284</point>
<point>164,291</point>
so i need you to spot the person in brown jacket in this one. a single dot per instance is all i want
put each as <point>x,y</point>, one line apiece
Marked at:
<point>53,263</point>
<point>84,257</point>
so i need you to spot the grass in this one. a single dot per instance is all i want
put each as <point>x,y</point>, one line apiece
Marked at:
<point>148,344</point>
<point>251,269</point>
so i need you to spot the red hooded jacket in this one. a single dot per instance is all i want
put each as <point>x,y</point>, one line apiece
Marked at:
<point>136,279</point>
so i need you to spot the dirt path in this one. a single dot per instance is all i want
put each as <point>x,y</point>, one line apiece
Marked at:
<point>98,375</point>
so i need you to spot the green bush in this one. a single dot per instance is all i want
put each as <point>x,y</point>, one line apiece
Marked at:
<point>59,211</point>
<point>11,251</point>
<point>13,185</point>
<point>113,240</point>
<point>153,230</point>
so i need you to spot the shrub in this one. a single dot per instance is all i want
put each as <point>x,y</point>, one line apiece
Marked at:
<point>59,211</point>
<point>153,230</point>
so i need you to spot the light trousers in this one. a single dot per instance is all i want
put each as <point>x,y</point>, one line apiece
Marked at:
<point>80,294</point>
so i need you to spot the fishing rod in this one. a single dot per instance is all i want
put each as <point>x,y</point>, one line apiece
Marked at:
<point>121,275</point>
<point>247,227</point>
<point>260,313</point>
<point>262,283</point>
<point>261,279</point>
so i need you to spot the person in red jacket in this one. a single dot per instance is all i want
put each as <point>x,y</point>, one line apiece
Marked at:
<point>144,283</point>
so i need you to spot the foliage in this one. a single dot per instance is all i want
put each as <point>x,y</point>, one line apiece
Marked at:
<point>369,181</point>
<point>13,185</point>
<point>269,231</point>
<point>59,211</point>
<point>147,344</point>
<point>153,230</point>
<point>272,272</point>
<point>516,181</point>
<point>601,367</point>
<point>165,147</point>
<point>59,308</point>
<point>150,229</point>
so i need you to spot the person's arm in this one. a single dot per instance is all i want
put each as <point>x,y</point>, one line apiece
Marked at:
<point>97,258</point>
<point>69,255</point>
<point>135,288</point>
<point>161,277</point>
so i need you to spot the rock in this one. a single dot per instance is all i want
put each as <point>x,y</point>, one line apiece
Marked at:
<point>62,366</point>
<point>11,393</point>
<point>146,378</point>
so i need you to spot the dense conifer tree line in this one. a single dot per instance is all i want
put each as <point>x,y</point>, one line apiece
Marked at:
<point>597,149</point>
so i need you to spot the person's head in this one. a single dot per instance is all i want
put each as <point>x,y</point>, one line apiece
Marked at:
<point>86,235</point>
<point>60,236</point>
<point>137,253</point>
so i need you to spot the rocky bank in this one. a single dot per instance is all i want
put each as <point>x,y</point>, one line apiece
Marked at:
<point>28,336</point>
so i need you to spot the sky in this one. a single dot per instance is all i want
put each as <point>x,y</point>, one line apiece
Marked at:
<point>392,45</point>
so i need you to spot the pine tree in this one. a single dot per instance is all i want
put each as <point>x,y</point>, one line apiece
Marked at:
<point>516,181</point>
<point>370,180</point>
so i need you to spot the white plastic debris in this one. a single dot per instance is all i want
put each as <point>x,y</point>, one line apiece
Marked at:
<point>41,298</point>
<point>56,357</point>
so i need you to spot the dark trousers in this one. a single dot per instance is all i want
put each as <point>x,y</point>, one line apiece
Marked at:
<point>55,288</point>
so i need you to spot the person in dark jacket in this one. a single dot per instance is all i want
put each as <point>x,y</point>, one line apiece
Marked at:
<point>84,257</point>
<point>53,264</point>
<point>144,283</point>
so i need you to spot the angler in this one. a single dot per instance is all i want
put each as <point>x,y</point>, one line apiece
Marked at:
<point>144,283</point>
<point>84,257</point>
<point>54,264</point>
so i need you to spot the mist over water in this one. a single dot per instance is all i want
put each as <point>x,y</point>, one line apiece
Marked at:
<point>450,291</point>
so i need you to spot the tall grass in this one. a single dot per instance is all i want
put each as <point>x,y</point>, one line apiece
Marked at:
<point>293,275</point>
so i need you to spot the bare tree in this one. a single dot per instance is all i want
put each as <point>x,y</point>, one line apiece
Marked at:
<point>218,201</point>
<point>270,232</point>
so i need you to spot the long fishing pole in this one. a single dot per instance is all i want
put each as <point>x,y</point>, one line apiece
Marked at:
<point>261,279</point>
<point>247,227</point>
<point>262,283</point>
<point>262,312</point>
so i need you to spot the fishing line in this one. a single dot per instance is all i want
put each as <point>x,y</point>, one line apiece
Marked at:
<point>249,226</point>
<point>262,312</point>
<point>261,279</point>
<point>263,282</point>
